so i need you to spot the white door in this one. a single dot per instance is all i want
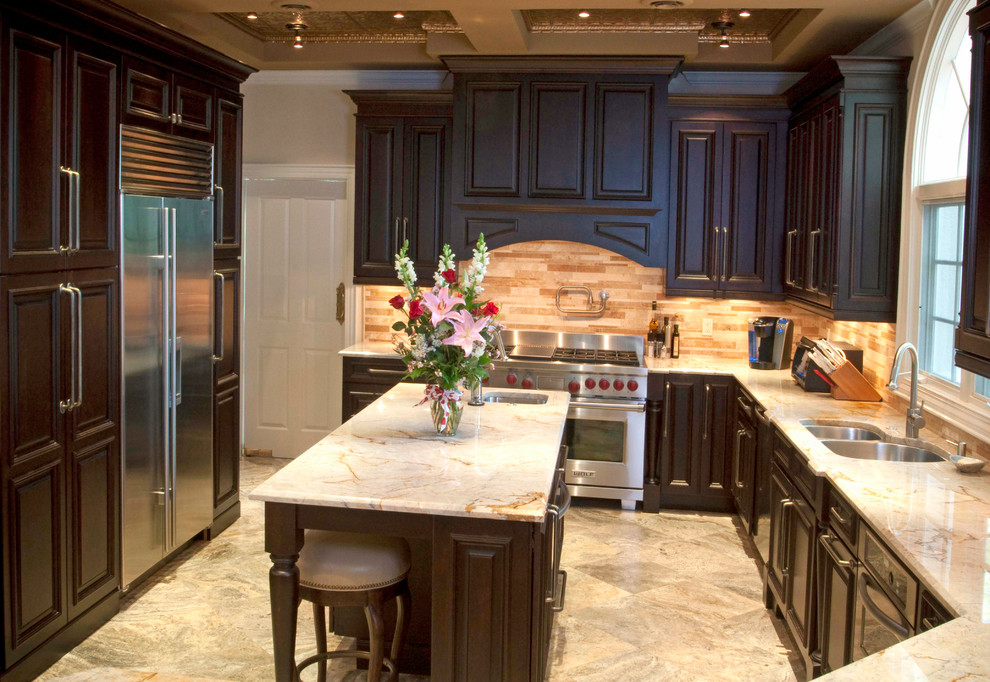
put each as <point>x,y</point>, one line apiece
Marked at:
<point>296,256</point>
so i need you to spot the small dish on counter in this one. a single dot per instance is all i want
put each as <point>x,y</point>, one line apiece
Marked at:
<point>967,465</point>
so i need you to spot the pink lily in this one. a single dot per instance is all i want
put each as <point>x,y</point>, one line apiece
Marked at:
<point>441,305</point>
<point>467,330</point>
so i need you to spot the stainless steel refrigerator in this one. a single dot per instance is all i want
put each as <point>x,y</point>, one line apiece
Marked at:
<point>167,363</point>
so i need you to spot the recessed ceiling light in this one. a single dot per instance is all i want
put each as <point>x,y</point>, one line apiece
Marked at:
<point>584,14</point>
<point>667,4</point>
<point>725,41</point>
<point>744,13</point>
<point>252,15</point>
<point>399,15</point>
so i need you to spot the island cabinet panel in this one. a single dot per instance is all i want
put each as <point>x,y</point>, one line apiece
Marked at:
<point>577,153</point>
<point>973,334</point>
<point>403,184</point>
<point>689,446</point>
<point>845,152</point>
<point>726,207</point>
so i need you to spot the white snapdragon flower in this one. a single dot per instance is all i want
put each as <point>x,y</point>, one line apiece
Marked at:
<point>477,269</point>
<point>406,271</point>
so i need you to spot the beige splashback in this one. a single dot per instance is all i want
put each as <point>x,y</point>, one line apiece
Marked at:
<point>523,279</point>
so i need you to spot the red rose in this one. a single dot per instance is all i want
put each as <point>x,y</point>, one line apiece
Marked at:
<point>490,309</point>
<point>397,302</point>
<point>415,309</point>
<point>449,275</point>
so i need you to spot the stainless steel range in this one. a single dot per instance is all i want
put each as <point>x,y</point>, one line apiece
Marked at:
<point>606,423</point>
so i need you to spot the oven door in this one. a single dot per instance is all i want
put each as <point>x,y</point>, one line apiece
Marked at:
<point>877,622</point>
<point>606,443</point>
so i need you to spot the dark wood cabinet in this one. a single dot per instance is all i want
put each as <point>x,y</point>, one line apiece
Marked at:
<point>973,334</point>
<point>836,583</point>
<point>60,458</point>
<point>227,177</point>
<point>694,446</point>
<point>744,450</point>
<point>845,154</point>
<point>60,159</point>
<point>157,98</point>
<point>226,394</point>
<point>366,380</point>
<point>726,207</point>
<point>403,189</point>
<point>576,154</point>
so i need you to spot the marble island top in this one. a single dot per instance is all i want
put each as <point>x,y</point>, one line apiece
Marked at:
<point>388,457</point>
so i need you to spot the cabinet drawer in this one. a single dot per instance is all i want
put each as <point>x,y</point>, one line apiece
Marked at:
<point>803,478</point>
<point>931,612</point>
<point>842,518</point>
<point>374,371</point>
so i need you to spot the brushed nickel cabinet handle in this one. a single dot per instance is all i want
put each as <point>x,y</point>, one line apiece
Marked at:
<point>218,228</point>
<point>666,411</point>
<point>220,303</point>
<point>725,253</point>
<point>67,404</point>
<point>704,420</point>
<point>77,366</point>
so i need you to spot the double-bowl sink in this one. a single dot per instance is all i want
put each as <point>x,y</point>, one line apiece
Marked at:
<point>861,442</point>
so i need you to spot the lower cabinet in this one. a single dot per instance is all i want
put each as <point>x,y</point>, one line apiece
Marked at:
<point>367,379</point>
<point>695,444</point>
<point>744,449</point>
<point>226,394</point>
<point>59,459</point>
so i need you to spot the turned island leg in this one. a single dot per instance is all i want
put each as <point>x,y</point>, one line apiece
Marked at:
<point>283,540</point>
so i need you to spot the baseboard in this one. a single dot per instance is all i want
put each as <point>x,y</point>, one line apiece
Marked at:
<point>223,521</point>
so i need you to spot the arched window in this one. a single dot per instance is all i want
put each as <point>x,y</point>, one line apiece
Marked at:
<point>931,279</point>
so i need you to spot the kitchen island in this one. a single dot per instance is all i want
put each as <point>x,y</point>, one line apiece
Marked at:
<point>480,499</point>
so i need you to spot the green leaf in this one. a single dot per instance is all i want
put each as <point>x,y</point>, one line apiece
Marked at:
<point>399,326</point>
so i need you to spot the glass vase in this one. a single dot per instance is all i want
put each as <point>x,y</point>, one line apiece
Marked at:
<point>454,408</point>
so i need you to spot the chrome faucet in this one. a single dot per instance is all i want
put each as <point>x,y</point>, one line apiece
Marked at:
<point>477,391</point>
<point>915,419</point>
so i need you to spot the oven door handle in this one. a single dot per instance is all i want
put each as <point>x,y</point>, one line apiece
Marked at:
<point>638,407</point>
<point>887,621</point>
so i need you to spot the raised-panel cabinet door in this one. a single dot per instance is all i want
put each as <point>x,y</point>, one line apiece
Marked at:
<point>356,397</point>
<point>378,209</point>
<point>624,141</point>
<point>716,437</point>
<point>748,211</point>
<point>192,104</point>
<point>146,95</point>
<point>34,553</point>
<point>838,581</point>
<point>92,143</point>
<point>35,383</point>
<point>94,534</point>
<point>34,188</point>
<point>813,196</point>
<point>226,324</point>
<point>680,438</point>
<point>793,275</point>
<point>492,139</point>
<point>824,246</point>
<point>780,506</point>
<point>557,124</point>
<point>425,191</point>
<point>227,174</point>
<point>800,589</point>
<point>226,448</point>
<point>694,205</point>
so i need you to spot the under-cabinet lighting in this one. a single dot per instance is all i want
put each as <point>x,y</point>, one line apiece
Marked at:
<point>745,13</point>
<point>584,14</point>
<point>252,15</point>
<point>398,15</point>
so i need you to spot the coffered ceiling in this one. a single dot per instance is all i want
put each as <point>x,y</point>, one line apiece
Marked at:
<point>336,34</point>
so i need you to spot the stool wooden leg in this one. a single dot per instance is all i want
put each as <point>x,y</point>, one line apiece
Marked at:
<point>373,612</point>
<point>403,612</point>
<point>320,619</point>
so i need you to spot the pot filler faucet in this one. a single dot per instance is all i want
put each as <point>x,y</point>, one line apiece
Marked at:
<point>915,420</point>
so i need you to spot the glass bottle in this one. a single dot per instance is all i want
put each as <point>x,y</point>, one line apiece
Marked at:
<point>651,335</point>
<point>675,342</point>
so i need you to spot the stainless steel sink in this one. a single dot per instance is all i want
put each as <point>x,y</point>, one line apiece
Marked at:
<point>516,397</point>
<point>881,452</point>
<point>823,432</point>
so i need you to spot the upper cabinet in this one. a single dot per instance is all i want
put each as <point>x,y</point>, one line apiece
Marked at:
<point>403,188</point>
<point>726,205</point>
<point>844,166</point>
<point>558,148</point>
<point>227,177</point>
<point>156,98</point>
<point>59,150</point>
<point>973,333</point>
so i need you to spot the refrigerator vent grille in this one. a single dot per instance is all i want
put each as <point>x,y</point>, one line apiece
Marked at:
<point>164,165</point>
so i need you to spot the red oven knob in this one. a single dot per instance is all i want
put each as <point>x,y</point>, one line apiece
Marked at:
<point>589,384</point>
<point>603,384</point>
<point>527,383</point>
<point>618,385</point>
<point>510,379</point>
<point>632,385</point>
<point>574,386</point>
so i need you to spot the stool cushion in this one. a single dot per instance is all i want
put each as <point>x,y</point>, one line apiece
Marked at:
<point>351,562</point>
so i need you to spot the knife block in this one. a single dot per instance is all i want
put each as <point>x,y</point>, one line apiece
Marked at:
<point>850,384</point>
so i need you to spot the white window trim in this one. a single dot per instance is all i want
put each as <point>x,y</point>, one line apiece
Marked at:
<point>957,406</point>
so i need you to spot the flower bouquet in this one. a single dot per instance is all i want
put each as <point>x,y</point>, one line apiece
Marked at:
<point>448,331</point>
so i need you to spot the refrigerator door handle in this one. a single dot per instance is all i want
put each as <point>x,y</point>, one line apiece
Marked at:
<point>167,383</point>
<point>220,305</point>
<point>77,365</point>
<point>173,361</point>
<point>178,370</point>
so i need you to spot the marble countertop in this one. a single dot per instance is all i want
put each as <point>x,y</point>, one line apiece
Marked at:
<point>388,457</point>
<point>370,349</point>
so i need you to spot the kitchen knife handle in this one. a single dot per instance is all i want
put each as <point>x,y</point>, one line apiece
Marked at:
<point>219,306</point>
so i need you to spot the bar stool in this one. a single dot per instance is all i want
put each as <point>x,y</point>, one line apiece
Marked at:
<point>353,569</point>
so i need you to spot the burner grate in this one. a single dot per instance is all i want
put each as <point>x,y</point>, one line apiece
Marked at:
<point>591,355</point>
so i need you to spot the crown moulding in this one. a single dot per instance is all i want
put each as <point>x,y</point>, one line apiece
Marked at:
<point>668,65</point>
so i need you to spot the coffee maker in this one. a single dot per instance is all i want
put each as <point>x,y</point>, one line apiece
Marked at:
<point>770,342</point>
